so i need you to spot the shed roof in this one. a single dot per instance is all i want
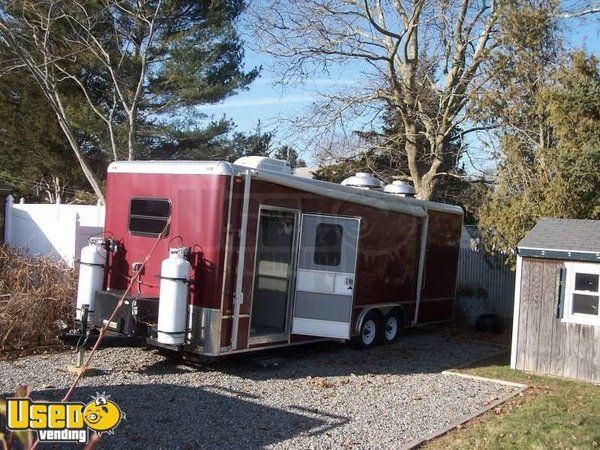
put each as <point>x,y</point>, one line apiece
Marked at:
<point>575,239</point>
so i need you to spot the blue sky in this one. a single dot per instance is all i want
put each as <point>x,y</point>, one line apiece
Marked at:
<point>268,102</point>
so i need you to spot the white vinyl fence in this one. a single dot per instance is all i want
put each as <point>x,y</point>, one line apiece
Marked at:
<point>52,229</point>
<point>485,283</point>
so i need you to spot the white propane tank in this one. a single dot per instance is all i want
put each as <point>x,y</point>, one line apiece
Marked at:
<point>172,305</point>
<point>91,275</point>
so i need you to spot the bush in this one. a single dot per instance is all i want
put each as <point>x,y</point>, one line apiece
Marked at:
<point>35,294</point>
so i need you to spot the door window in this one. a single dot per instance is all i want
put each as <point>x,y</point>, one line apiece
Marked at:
<point>328,244</point>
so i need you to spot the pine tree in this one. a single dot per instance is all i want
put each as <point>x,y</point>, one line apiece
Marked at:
<point>143,69</point>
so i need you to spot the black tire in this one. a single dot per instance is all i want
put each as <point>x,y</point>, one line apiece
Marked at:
<point>391,327</point>
<point>369,332</point>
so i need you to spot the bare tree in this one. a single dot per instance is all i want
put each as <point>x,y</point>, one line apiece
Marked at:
<point>90,44</point>
<point>422,58</point>
<point>578,8</point>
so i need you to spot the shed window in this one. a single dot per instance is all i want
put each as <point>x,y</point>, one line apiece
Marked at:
<point>328,244</point>
<point>583,293</point>
<point>148,216</point>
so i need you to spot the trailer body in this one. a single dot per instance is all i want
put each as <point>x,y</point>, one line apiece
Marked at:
<point>274,259</point>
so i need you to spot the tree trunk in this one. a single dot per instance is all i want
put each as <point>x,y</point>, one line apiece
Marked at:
<point>131,137</point>
<point>426,189</point>
<point>428,181</point>
<point>411,150</point>
<point>64,125</point>
<point>424,183</point>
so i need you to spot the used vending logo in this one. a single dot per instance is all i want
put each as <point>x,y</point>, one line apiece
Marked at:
<point>64,422</point>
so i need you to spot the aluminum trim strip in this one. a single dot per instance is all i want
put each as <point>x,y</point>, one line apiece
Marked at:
<point>173,167</point>
<point>574,255</point>
<point>557,250</point>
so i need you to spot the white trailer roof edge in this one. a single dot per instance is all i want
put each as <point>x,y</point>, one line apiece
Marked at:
<point>353,195</point>
<point>173,167</point>
<point>374,199</point>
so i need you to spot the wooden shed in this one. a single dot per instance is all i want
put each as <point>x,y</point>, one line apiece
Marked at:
<point>556,323</point>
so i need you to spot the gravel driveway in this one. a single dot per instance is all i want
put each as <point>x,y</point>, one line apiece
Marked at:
<point>319,396</point>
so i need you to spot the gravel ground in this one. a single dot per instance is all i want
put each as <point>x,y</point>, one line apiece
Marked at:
<point>319,396</point>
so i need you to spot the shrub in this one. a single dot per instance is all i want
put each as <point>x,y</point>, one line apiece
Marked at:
<point>36,293</point>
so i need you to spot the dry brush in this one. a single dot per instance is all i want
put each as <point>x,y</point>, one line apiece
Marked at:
<point>36,293</point>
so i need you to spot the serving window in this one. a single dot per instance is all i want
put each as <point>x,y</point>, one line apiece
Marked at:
<point>149,216</point>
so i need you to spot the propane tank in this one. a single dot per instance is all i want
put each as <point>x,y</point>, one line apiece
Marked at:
<point>172,305</point>
<point>91,275</point>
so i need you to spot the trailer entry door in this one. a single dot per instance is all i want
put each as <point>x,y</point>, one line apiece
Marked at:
<point>325,280</point>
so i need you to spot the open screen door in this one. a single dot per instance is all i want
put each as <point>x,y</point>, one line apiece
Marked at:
<point>325,280</point>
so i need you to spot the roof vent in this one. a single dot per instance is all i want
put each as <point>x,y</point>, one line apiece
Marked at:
<point>363,180</point>
<point>264,163</point>
<point>402,188</point>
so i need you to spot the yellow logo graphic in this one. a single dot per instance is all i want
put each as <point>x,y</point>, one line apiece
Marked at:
<point>102,415</point>
<point>64,422</point>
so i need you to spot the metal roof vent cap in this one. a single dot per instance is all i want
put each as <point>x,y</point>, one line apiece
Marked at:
<point>363,180</point>
<point>402,188</point>
<point>265,163</point>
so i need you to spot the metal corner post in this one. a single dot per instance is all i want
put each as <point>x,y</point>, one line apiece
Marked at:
<point>517,307</point>
<point>238,297</point>
<point>421,270</point>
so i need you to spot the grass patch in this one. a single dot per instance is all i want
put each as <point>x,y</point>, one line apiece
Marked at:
<point>551,413</point>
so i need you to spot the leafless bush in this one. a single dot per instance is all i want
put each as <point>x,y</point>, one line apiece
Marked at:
<point>35,293</point>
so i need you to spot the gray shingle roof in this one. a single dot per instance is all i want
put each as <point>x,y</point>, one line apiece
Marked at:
<point>564,234</point>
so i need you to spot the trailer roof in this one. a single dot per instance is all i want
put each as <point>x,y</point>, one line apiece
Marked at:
<point>375,199</point>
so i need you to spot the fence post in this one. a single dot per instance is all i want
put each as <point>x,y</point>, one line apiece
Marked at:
<point>100,211</point>
<point>8,215</point>
<point>71,253</point>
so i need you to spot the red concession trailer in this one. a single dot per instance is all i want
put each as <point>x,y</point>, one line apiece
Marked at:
<point>252,256</point>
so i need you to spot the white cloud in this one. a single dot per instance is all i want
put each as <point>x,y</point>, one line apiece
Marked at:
<point>261,101</point>
<point>311,82</point>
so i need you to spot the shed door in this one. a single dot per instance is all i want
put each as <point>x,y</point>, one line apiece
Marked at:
<point>325,280</point>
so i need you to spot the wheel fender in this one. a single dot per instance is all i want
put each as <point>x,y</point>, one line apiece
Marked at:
<point>382,310</point>
<point>400,313</point>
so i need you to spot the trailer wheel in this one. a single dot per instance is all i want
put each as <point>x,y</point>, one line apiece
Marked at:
<point>369,332</point>
<point>392,323</point>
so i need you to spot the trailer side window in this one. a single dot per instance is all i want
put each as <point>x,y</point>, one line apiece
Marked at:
<point>148,216</point>
<point>328,244</point>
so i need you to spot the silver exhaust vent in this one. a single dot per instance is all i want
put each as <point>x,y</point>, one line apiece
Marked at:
<point>401,188</point>
<point>363,180</point>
